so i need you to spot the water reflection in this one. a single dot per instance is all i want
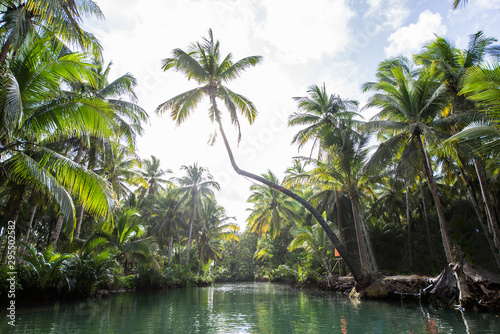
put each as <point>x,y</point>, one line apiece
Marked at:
<point>242,308</point>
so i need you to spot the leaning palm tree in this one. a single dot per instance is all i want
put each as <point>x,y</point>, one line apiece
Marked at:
<point>204,63</point>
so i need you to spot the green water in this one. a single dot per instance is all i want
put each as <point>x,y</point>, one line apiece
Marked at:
<point>242,308</point>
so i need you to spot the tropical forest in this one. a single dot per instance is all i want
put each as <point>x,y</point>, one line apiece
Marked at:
<point>403,204</point>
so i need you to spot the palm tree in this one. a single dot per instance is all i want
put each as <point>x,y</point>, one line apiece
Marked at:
<point>194,187</point>
<point>204,63</point>
<point>216,227</point>
<point>457,3</point>
<point>408,109</point>
<point>320,111</point>
<point>312,239</point>
<point>168,219</point>
<point>453,65</point>
<point>153,175</point>
<point>125,237</point>
<point>62,19</point>
<point>342,167</point>
<point>45,116</point>
<point>272,212</point>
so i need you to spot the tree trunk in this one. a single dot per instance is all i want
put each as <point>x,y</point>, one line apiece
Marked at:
<point>189,239</point>
<point>432,185</point>
<point>5,48</point>
<point>371,254</point>
<point>408,224</point>
<point>361,277</point>
<point>484,227</point>
<point>359,233</point>
<point>490,214</point>
<point>79,223</point>
<point>340,225</point>
<point>17,198</point>
<point>426,218</point>
<point>180,253</point>
<point>339,217</point>
<point>170,244</point>
<point>57,231</point>
<point>201,257</point>
<point>28,231</point>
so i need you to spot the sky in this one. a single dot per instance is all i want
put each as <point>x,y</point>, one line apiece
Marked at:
<point>336,42</point>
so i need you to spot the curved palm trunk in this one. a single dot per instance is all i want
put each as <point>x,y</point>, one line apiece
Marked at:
<point>359,275</point>
<point>432,185</point>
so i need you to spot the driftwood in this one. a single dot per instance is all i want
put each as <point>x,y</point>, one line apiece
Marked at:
<point>464,286</point>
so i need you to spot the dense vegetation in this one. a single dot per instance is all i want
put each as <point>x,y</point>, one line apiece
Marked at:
<point>398,192</point>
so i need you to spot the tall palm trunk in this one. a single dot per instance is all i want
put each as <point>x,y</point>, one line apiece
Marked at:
<point>408,224</point>
<point>28,231</point>
<point>432,185</point>
<point>170,246</point>
<point>484,226</point>
<point>369,248</point>
<point>340,225</point>
<point>359,233</point>
<point>358,273</point>
<point>202,248</point>
<point>180,253</point>
<point>490,214</point>
<point>189,239</point>
<point>79,223</point>
<point>78,158</point>
<point>57,231</point>
<point>16,198</point>
<point>426,218</point>
<point>339,217</point>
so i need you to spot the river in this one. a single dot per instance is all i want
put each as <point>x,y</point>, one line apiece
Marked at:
<point>242,308</point>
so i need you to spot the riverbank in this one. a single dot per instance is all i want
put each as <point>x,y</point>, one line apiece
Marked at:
<point>483,289</point>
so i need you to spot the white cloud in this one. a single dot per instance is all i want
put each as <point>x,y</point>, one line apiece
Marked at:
<point>410,39</point>
<point>389,14</point>
<point>299,31</point>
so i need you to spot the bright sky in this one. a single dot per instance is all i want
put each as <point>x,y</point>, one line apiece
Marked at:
<point>336,42</point>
